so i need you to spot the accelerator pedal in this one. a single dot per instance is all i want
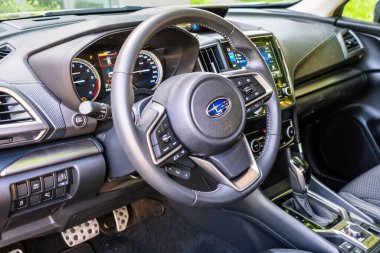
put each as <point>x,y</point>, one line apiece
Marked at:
<point>81,233</point>
<point>121,216</point>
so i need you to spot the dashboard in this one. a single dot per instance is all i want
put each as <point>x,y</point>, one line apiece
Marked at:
<point>92,68</point>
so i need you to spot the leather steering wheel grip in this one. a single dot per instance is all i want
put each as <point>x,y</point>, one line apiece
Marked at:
<point>133,143</point>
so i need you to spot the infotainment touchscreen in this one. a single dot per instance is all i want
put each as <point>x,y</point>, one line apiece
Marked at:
<point>238,61</point>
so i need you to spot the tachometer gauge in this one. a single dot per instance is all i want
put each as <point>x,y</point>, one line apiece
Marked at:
<point>148,71</point>
<point>86,79</point>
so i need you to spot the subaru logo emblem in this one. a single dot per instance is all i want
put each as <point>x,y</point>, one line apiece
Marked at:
<point>218,107</point>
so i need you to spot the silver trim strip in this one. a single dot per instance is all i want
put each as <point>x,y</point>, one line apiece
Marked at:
<point>50,155</point>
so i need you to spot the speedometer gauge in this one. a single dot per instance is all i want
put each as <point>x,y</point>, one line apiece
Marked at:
<point>148,71</point>
<point>86,79</point>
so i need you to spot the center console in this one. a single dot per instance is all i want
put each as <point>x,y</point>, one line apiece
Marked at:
<point>327,218</point>
<point>350,235</point>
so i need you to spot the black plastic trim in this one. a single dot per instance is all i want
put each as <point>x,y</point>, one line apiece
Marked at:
<point>59,153</point>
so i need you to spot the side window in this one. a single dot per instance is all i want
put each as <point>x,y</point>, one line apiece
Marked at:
<point>363,10</point>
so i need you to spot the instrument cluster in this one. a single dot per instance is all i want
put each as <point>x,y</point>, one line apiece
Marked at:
<point>92,71</point>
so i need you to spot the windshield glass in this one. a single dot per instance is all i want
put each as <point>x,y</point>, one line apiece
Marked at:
<point>11,9</point>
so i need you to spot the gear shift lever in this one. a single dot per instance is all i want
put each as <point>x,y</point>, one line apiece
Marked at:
<point>300,176</point>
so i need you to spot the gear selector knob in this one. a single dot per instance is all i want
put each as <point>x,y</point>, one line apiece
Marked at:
<point>300,175</point>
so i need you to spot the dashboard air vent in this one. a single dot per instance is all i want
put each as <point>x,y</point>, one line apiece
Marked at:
<point>211,60</point>
<point>11,111</point>
<point>350,42</point>
<point>5,50</point>
<point>19,122</point>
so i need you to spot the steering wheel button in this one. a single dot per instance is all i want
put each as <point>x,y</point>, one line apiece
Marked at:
<point>186,174</point>
<point>260,89</point>
<point>174,143</point>
<point>165,123</point>
<point>166,138</point>
<point>177,172</point>
<point>176,157</point>
<point>179,155</point>
<point>166,149</point>
<point>159,130</point>
<point>247,90</point>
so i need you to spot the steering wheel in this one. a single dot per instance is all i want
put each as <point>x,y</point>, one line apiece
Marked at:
<point>199,115</point>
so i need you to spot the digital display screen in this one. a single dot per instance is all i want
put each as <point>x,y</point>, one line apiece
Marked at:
<point>266,53</point>
<point>237,60</point>
<point>107,60</point>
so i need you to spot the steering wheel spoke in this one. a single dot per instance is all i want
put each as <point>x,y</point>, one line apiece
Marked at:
<point>163,145</point>
<point>235,168</point>
<point>253,87</point>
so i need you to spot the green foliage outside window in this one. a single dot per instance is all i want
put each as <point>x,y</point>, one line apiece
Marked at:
<point>236,1</point>
<point>7,7</point>
<point>360,9</point>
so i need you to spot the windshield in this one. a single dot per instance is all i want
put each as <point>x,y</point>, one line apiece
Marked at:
<point>11,9</point>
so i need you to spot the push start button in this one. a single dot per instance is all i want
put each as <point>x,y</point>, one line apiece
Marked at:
<point>79,120</point>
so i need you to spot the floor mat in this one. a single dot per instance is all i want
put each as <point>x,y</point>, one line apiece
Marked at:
<point>166,234</point>
<point>81,248</point>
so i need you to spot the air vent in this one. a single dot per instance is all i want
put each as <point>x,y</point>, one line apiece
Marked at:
<point>5,50</point>
<point>350,42</point>
<point>19,122</point>
<point>11,111</point>
<point>211,60</point>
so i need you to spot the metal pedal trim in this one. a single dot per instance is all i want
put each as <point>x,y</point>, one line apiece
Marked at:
<point>81,233</point>
<point>16,251</point>
<point>121,216</point>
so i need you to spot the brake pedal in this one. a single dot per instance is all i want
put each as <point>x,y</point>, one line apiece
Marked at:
<point>81,233</point>
<point>121,216</point>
